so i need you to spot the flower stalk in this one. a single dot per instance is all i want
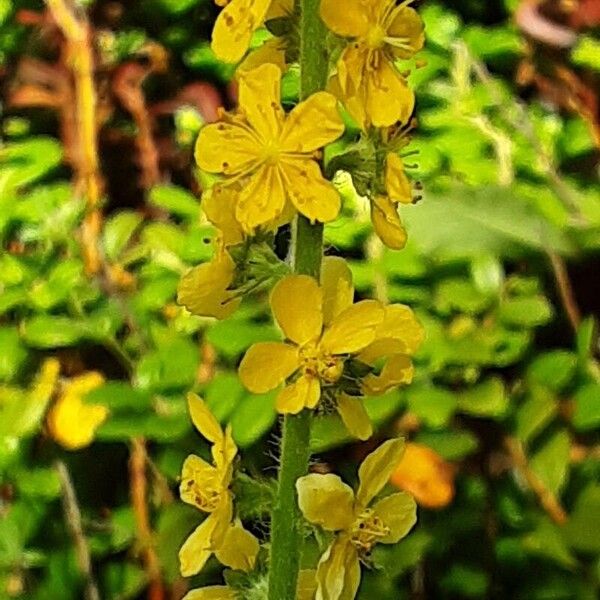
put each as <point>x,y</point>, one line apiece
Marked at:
<point>307,252</point>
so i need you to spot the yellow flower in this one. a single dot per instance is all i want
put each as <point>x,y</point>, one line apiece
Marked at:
<point>387,224</point>
<point>218,204</point>
<point>213,592</point>
<point>320,341</point>
<point>269,158</point>
<point>71,422</point>
<point>272,51</point>
<point>426,475</point>
<point>381,31</point>
<point>204,290</point>
<point>332,505</point>
<point>206,487</point>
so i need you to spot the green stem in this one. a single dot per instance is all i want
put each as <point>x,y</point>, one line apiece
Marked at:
<point>307,252</point>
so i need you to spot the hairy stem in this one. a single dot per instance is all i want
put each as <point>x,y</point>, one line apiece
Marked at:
<point>307,251</point>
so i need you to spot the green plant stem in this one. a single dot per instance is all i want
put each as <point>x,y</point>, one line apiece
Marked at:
<point>307,251</point>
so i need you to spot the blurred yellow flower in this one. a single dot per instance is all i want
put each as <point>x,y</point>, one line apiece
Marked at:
<point>267,158</point>
<point>71,422</point>
<point>381,32</point>
<point>206,487</point>
<point>204,290</point>
<point>321,336</point>
<point>426,475</point>
<point>326,501</point>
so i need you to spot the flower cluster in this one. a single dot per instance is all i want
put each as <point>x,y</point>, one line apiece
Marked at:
<point>268,167</point>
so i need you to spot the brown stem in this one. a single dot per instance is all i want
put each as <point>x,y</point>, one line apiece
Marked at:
<point>73,519</point>
<point>138,490</point>
<point>546,498</point>
<point>565,289</point>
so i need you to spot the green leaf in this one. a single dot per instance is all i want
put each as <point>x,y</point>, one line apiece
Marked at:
<point>535,413</point>
<point>232,336</point>
<point>581,530</point>
<point>45,331</point>
<point>450,445</point>
<point>525,312</point>
<point>547,541</point>
<point>487,399</point>
<point>175,200</point>
<point>464,581</point>
<point>38,483</point>
<point>551,462</point>
<point>118,231</point>
<point>119,396</point>
<point>587,407</point>
<point>487,274</point>
<point>587,52</point>
<point>58,286</point>
<point>253,416</point>
<point>223,394</point>
<point>435,406</point>
<point>554,370</point>
<point>12,353</point>
<point>460,295</point>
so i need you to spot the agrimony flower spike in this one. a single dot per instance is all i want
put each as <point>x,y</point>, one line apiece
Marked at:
<point>206,486</point>
<point>269,159</point>
<point>367,81</point>
<point>358,523</point>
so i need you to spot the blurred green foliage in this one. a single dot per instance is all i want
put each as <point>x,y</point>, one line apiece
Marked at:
<point>507,186</point>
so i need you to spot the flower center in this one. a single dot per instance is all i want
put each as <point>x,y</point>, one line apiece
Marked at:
<point>315,363</point>
<point>376,37</point>
<point>270,153</point>
<point>367,530</point>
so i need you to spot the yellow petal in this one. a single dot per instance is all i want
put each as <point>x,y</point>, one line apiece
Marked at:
<point>303,393</point>
<point>376,469</point>
<point>397,370</point>
<point>426,475</point>
<point>213,592</point>
<point>307,584</point>
<point>259,94</point>
<point>203,289</point>
<point>397,185</point>
<point>267,365</point>
<point>238,550</point>
<point>223,453</point>
<point>325,500</point>
<point>355,417</point>
<point>336,283</point>
<point>312,124</point>
<point>399,513</point>
<point>234,28</point>
<point>262,198</point>
<point>388,98</point>
<point>219,205</point>
<point>222,515</point>
<point>351,21</point>
<point>227,147</point>
<point>353,329</point>
<point>197,475</point>
<point>408,27</point>
<point>338,572</point>
<point>196,550</point>
<point>272,51</point>
<point>203,420</point>
<point>311,194</point>
<point>387,223</point>
<point>45,382</point>
<point>280,8</point>
<point>401,324</point>
<point>297,305</point>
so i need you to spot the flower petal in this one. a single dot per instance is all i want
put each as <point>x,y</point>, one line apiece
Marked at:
<point>387,223</point>
<point>338,572</point>
<point>353,329</point>
<point>376,469</point>
<point>401,324</point>
<point>262,198</point>
<point>312,124</point>
<point>259,94</point>
<point>203,289</point>
<point>219,205</point>
<point>325,500</point>
<point>408,27</point>
<point>397,370</point>
<point>353,414</point>
<point>397,185</point>
<point>351,21</point>
<point>267,365</point>
<point>203,420</point>
<point>227,147</point>
<point>280,8</point>
<point>238,550</point>
<point>234,28</point>
<point>303,393</point>
<point>212,592</point>
<point>196,550</point>
<point>336,283</point>
<point>399,513</point>
<point>311,194</point>
<point>307,584</point>
<point>272,51</point>
<point>388,98</point>
<point>196,473</point>
<point>297,305</point>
